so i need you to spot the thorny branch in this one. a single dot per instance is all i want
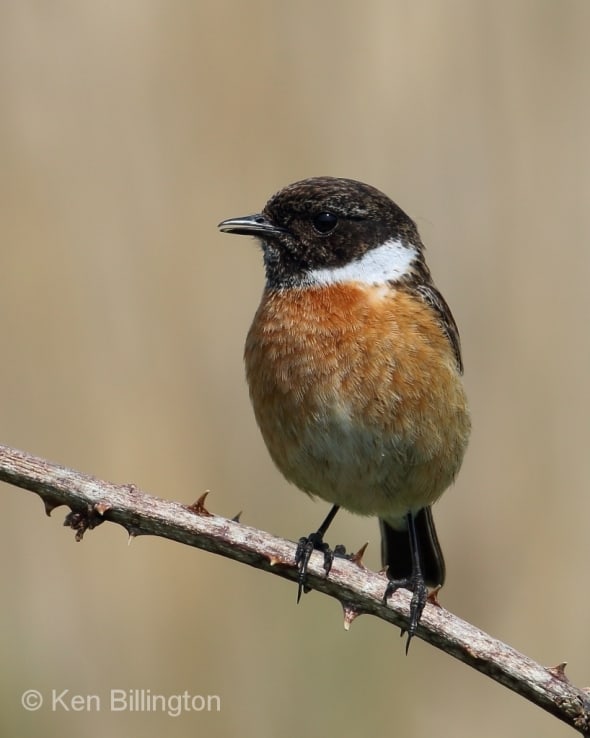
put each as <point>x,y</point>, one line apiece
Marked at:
<point>92,502</point>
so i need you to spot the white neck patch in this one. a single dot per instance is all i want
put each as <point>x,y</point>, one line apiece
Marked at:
<point>386,263</point>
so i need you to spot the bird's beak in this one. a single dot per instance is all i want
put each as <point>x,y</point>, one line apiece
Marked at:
<point>251,225</point>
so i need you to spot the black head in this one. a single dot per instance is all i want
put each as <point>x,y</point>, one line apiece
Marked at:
<point>324,223</point>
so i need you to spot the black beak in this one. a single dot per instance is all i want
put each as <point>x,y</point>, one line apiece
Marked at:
<point>251,225</point>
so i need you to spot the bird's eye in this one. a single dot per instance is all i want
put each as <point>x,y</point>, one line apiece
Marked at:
<point>325,222</point>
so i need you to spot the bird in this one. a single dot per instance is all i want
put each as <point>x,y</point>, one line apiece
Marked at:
<point>354,367</point>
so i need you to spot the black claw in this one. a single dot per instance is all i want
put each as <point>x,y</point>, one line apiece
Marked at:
<point>415,584</point>
<point>305,547</point>
<point>340,552</point>
<point>315,542</point>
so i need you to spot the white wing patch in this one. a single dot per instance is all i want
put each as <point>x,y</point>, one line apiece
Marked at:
<point>386,263</point>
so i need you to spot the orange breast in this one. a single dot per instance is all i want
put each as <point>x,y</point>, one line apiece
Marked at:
<point>358,397</point>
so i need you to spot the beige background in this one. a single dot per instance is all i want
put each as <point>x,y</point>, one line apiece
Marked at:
<point>128,130</point>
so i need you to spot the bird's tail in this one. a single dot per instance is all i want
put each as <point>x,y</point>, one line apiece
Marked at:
<point>397,556</point>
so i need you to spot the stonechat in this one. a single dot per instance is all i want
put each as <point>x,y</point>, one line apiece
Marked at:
<point>354,366</point>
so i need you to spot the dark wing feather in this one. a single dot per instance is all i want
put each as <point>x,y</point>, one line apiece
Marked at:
<point>432,296</point>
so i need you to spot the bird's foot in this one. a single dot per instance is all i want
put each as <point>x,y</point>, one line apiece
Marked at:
<point>416,585</point>
<point>305,547</point>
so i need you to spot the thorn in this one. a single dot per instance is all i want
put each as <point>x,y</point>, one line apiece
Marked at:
<point>129,488</point>
<point>102,507</point>
<point>350,613</point>
<point>357,558</point>
<point>236,518</point>
<point>382,572</point>
<point>558,671</point>
<point>50,503</point>
<point>433,596</point>
<point>133,532</point>
<point>198,507</point>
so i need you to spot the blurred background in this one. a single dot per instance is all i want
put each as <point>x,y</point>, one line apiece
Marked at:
<point>127,132</point>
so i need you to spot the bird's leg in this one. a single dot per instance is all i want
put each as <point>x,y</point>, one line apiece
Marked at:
<point>414,583</point>
<point>315,542</point>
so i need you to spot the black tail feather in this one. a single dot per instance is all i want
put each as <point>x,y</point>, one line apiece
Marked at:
<point>396,554</point>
